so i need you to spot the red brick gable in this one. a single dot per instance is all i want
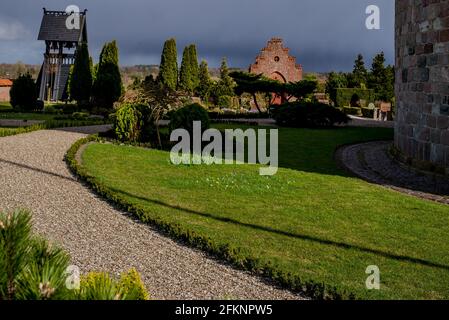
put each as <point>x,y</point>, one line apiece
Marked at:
<point>275,62</point>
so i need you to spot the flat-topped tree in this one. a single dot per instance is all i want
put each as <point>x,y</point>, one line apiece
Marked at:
<point>257,83</point>
<point>60,46</point>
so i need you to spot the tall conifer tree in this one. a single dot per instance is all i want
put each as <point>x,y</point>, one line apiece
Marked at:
<point>359,73</point>
<point>205,83</point>
<point>194,67</point>
<point>226,83</point>
<point>185,75</point>
<point>381,78</point>
<point>168,72</point>
<point>108,86</point>
<point>81,76</point>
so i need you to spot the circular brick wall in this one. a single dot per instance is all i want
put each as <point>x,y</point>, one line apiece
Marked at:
<point>422,81</point>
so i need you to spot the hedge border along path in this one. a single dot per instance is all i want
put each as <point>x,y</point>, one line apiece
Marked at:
<point>69,125</point>
<point>33,175</point>
<point>310,289</point>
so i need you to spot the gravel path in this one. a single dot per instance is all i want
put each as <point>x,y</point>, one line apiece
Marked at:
<point>33,175</point>
<point>372,162</point>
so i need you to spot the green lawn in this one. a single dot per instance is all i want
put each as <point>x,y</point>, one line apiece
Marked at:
<point>310,220</point>
<point>5,106</point>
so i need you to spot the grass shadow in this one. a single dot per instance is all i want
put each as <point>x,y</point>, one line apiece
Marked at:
<point>337,244</point>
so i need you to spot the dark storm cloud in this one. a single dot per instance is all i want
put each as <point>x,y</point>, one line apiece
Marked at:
<point>322,34</point>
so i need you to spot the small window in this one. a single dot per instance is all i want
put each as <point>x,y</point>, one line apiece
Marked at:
<point>277,59</point>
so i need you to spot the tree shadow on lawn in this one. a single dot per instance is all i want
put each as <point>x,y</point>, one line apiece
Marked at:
<point>336,244</point>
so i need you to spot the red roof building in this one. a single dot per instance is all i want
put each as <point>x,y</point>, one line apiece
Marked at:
<point>5,83</point>
<point>5,86</point>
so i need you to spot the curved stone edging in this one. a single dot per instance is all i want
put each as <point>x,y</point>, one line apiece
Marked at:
<point>371,162</point>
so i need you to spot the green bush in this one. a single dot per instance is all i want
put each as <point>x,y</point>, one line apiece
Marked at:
<point>345,95</point>
<point>23,93</point>
<point>132,286</point>
<point>307,115</point>
<point>225,102</point>
<point>100,286</point>
<point>69,108</point>
<point>79,116</point>
<point>50,109</point>
<point>128,123</point>
<point>33,269</point>
<point>184,117</point>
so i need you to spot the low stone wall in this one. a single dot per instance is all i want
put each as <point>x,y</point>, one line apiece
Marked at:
<point>422,81</point>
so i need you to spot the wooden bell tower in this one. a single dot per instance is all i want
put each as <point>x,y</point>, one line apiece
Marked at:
<point>61,43</point>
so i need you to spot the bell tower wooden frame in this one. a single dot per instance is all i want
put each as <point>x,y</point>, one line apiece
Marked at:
<point>61,44</point>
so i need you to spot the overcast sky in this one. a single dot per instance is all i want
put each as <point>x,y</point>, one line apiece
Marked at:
<point>324,35</point>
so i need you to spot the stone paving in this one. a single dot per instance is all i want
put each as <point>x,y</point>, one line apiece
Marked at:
<point>372,162</point>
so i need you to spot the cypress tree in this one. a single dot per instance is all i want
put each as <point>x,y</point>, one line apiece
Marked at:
<point>108,85</point>
<point>195,72</point>
<point>205,82</point>
<point>81,76</point>
<point>185,76</point>
<point>168,72</point>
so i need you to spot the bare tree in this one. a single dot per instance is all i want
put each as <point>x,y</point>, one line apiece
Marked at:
<point>159,98</point>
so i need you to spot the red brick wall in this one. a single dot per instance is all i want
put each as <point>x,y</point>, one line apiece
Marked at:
<point>422,80</point>
<point>275,62</point>
<point>4,93</point>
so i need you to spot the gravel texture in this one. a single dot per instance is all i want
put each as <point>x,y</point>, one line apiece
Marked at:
<point>372,162</point>
<point>33,175</point>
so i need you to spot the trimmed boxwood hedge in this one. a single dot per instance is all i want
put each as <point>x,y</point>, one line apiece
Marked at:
<point>307,115</point>
<point>352,111</point>
<point>51,124</point>
<point>311,289</point>
<point>344,96</point>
